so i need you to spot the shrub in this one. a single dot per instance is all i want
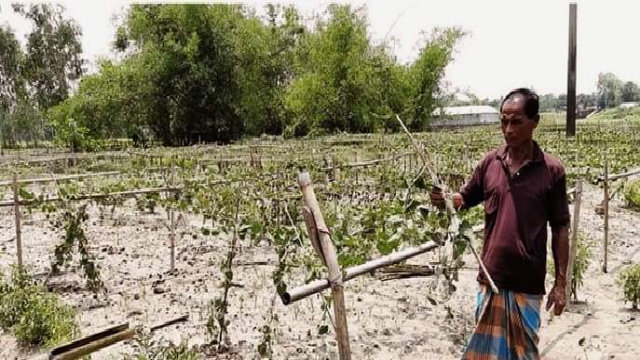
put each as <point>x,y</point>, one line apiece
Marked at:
<point>35,316</point>
<point>632,193</point>
<point>580,264</point>
<point>629,279</point>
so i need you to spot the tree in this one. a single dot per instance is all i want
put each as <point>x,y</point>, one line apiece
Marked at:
<point>548,103</point>
<point>11,84</point>
<point>562,102</point>
<point>609,90</point>
<point>52,62</point>
<point>265,55</point>
<point>425,74</point>
<point>630,92</point>
<point>337,87</point>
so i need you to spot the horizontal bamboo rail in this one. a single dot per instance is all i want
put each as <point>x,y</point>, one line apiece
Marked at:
<point>61,178</point>
<point>301,292</point>
<point>94,196</point>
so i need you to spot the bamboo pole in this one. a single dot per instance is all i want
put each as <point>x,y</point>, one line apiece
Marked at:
<point>317,286</point>
<point>448,200</point>
<point>95,345</point>
<point>367,163</point>
<point>61,178</point>
<point>574,236</point>
<point>95,196</point>
<point>16,210</point>
<point>331,259</point>
<point>622,175</point>
<point>172,216</point>
<point>606,215</point>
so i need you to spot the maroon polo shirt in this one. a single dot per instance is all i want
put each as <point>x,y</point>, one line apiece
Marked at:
<point>517,210</point>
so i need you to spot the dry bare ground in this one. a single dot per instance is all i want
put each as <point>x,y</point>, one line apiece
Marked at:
<point>387,320</point>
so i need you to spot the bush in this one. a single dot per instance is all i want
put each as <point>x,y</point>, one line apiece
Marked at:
<point>632,194</point>
<point>580,264</point>
<point>630,281</point>
<point>35,316</point>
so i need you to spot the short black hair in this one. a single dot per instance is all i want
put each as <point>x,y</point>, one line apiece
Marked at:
<point>531,101</point>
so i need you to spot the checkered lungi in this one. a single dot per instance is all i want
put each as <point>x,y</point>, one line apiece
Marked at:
<point>507,326</point>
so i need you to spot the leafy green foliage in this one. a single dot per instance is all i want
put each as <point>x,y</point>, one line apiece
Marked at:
<point>629,279</point>
<point>425,74</point>
<point>75,237</point>
<point>632,193</point>
<point>580,264</point>
<point>34,315</point>
<point>217,73</point>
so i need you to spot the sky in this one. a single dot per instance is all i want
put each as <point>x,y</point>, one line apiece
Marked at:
<point>509,43</point>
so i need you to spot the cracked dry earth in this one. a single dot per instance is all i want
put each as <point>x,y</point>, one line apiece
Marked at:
<point>398,319</point>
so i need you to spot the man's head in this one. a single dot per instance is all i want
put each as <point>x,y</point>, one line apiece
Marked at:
<point>519,116</point>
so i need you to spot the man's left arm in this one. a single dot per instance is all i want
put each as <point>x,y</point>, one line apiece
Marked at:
<point>559,221</point>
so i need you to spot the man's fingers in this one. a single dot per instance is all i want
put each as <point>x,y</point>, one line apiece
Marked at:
<point>559,308</point>
<point>549,302</point>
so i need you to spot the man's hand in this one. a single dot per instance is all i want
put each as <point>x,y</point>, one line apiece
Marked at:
<point>437,197</point>
<point>558,298</point>
<point>438,200</point>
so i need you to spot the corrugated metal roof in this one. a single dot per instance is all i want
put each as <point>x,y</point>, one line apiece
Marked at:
<point>465,110</point>
<point>629,104</point>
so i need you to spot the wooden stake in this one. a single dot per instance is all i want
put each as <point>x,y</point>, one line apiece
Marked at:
<point>331,259</point>
<point>606,214</point>
<point>16,210</point>
<point>173,219</point>
<point>574,236</point>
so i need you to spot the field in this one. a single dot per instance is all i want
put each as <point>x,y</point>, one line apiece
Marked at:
<point>247,194</point>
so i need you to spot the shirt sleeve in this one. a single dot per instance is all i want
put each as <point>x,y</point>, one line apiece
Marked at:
<point>473,190</point>
<point>559,212</point>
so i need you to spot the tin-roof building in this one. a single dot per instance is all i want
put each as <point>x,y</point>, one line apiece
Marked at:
<point>465,116</point>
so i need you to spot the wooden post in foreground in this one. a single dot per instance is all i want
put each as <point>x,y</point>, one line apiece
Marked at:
<point>173,219</point>
<point>606,214</point>
<point>318,228</point>
<point>571,71</point>
<point>16,210</point>
<point>574,236</point>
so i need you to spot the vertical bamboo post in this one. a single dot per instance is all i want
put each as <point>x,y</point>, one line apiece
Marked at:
<point>172,217</point>
<point>606,214</point>
<point>318,226</point>
<point>16,210</point>
<point>574,235</point>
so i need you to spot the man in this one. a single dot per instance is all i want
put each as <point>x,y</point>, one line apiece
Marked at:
<point>522,188</point>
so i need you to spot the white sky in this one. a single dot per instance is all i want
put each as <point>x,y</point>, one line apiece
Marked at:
<point>511,43</point>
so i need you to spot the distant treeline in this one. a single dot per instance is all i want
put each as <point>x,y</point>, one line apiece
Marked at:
<point>215,73</point>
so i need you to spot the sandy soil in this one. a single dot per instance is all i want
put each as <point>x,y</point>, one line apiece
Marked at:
<point>387,320</point>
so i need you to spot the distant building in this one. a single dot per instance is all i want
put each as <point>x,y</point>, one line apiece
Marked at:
<point>465,116</point>
<point>629,105</point>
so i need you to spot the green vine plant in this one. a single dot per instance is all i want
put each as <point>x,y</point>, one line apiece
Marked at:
<point>75,239</point>
<point>581,262</point>
<point>286,240</point>
<point>148,349</point>
<point>217,323</point>
<point>629,280</point>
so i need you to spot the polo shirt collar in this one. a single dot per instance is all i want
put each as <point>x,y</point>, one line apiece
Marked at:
<point>538,155</point>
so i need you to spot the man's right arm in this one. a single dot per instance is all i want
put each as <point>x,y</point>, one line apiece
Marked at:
<point>471,193</point>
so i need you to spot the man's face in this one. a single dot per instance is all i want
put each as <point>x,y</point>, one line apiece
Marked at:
<point>517,128</point>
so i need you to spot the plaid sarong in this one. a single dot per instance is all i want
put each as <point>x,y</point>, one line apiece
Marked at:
<point>507,326</point>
